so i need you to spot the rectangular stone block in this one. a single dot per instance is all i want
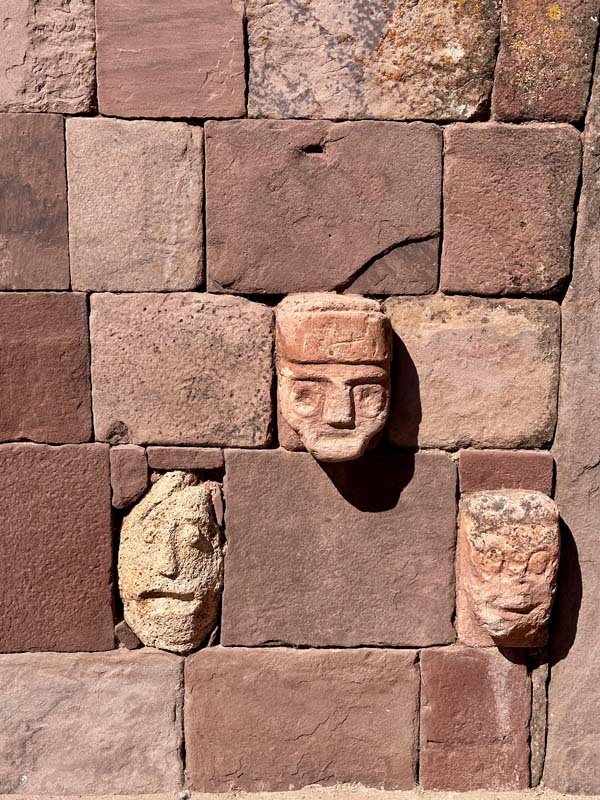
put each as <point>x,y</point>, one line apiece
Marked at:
<point>128,474</point>
<point>472,372</point>
<point>56,567</point>
<point>305,206</point>
<point>279,719</point>
<point>181,368</point>
<point>509,195</point>
<point>34,246</point>
<point>475,707</point>
<point>184,58</point>
<point>359,553</point>
<point>91,724</point>
<point>392,59</point>
<point>204,458</point>
<point>135,204</point>
<point>44,363</point>
<point>481,470</point>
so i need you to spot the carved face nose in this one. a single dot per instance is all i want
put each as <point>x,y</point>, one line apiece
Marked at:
<point>338,409</point>
<point>166,560</point>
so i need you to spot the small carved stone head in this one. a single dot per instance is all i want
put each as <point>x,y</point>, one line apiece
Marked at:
<point>171,563</point>
<point>333,361</point>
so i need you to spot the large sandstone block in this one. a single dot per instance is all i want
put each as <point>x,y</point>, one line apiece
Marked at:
<point>545,59</point>
<point>276,719</point>
<point>304,206</point>
<point>135,204</point>
<point>181,368</point>
<point>394,59</point>
<point>34,246</point>
<point>85,723</point>
<point>184,58</point>
<point>44,353</point>
<point>509,194</point>
<point>474,372</point>
<point>47,55</point>
<point>506,469</point>
<point>358,553</point>
<point>475,707</point>
<point>56,548</point>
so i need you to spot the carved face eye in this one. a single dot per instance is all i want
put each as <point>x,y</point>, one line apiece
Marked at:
<point>307,397</point>
<point>493,559</point>
<point>369,399</point>
<point>538,562</point>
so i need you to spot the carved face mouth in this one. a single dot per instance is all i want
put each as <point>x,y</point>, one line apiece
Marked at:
<point>157,594</point>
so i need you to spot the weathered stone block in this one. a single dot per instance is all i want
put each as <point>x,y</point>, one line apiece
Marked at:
<point>305,206</point>
<point>135,204</point>
<point>202,458</point>
<point>56,548</point>
<point>509,194</point>
<point>44,353</point>
<point>180,59</point>
<point>506,469</point>
<point>128,474</point>
<point>34,246</point>
<point>359,553</point>
<point>475,707</point>
<point>276,719</point>
<point>86,723</point>
<point>474,372</point>
<point>394,59</point>
<point>181,368</point>
<point>47,55</point>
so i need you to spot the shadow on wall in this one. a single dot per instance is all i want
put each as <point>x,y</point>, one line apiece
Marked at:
<point>568,598</point>
<point>405,413</point>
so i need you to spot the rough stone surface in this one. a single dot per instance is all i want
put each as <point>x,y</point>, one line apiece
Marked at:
<point>509,194</point>
<point>545,59</point>
<point>573,757</point>
<point>475,707</point>
<point>508,551</point>
<point>181,368</point>
<point>34,246</point>
<point>202,458</point>
<point>135,204</point>
<point>501,469</point>
<point>394,59</point>
<point>56,549</point>
<point>472,372</point>
<point>359,553</point>
<point>184,58</point>
<point>126,637</point>
<point>90,723</point>
<point>539,720</point>
<point>128,474</point>
<point>305,206</point>
<point>332,716</point>
<point>44,358</point>
<point>47,55</point>
<point>171,564</point>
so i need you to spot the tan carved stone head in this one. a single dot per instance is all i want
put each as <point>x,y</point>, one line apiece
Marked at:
<point>171,563</point>
<point>509,550</point>
<point>333,361</point>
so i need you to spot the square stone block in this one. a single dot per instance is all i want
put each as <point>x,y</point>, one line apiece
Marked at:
<point>56,568</point>
<point>181,368</point>
<point>358,553</point>
<point>279,719</point>
<point>474,372</point>
<point>501,469</point>
<point>201,458</point>
<point>34,244</point>
<point>184,58</point>
<point>306,206</point>
<point>135,204</point>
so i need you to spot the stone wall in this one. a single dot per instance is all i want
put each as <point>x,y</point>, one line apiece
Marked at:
<point>171,172</point>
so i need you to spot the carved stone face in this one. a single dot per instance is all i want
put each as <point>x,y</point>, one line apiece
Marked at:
<point>333,355</point>
<point>171,563</point>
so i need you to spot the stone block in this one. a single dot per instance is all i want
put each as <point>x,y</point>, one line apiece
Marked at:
<point>44,353</point>
<point>509,195</point>
<point>473,372</point>
<point>305,206</point>
<point>475,707</point>
<point>128,474</point>
<point>135,204</point>
<point>90,723</point>
<point>34,245</point>
<point>545,59</point>
<point>181,368</point>
<point>279,719</point>
<point>360,553</point>
<point>201,458</point>
<point>47,56</point>
<point>392,59</point>
<point>126,637</point>
<point>184,58</point>
<point>506,469</point>
<point>56,548</point>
